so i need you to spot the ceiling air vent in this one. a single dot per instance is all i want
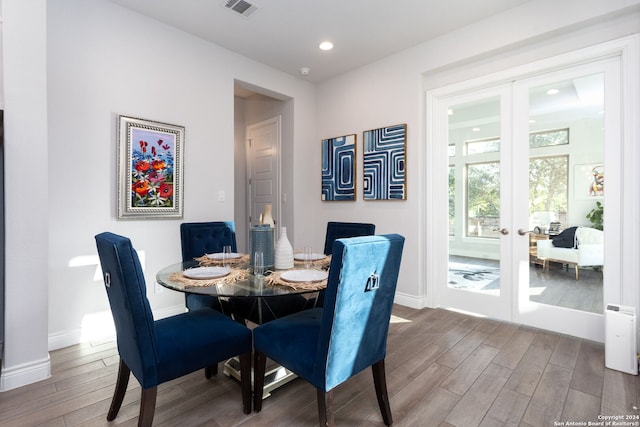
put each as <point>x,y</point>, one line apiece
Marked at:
<point>242,7</point>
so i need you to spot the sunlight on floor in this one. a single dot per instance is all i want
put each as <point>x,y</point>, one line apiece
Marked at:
<point>537,290</point>
<point>97,327</point>
<point>396,319</point>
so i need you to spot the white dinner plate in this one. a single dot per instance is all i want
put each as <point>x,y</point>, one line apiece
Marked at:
<point>304,275</point>
<point>314,257</point>
<point>202,273</point>
<point>220,256</point>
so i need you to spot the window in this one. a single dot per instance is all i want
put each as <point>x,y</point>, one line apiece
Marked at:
<point>483,146</point>
<point>549,138</point>
<point>483,199</point>
<point>548,182</point>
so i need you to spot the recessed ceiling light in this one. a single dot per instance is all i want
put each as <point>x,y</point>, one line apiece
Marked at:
<point>450,112</point>
<point>326,46</point>
<point>552,91</point>
<point>476,129</point>
<point>532,121</point>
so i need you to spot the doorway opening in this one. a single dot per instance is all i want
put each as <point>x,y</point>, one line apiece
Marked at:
<point>256,110</point>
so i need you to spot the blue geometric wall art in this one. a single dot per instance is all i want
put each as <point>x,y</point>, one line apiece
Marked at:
<point>384,163</point>
<point>339,168</point>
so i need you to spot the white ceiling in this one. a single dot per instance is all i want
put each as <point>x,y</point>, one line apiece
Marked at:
<point>285,34</point>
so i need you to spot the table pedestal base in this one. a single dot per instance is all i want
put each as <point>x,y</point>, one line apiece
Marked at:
<point>274,375</point>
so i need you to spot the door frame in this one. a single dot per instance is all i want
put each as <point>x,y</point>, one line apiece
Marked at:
<point>626,244</point>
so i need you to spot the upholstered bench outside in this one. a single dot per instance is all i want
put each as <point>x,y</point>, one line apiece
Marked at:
<point>587,251</point>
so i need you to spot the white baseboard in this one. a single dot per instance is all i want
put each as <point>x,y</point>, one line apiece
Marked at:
<point>411,301</point>
<point>62,339</point>
<point>27,373</point>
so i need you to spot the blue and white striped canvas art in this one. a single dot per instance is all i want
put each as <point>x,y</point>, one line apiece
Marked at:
<point>339,168</point>
<point>384,163</point>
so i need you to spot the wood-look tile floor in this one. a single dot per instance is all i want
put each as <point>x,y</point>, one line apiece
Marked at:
<point>443,369</point>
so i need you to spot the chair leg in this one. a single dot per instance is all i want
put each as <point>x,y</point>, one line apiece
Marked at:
<point>147,406</point>
<point>380,382</point>
<point>121,389</point>
<point>325,408</point>
<point>210,371</point>
<point>245,381</point>
<point>576,271</point>
<point>259,366</point>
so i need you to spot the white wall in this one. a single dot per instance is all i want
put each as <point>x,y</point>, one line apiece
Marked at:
<point>240,173</point>
<point>102,60</point>
<point>26,206</point>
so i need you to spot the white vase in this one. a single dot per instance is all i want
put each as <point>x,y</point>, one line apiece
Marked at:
<point>284,251</point>
<point>267,219</point>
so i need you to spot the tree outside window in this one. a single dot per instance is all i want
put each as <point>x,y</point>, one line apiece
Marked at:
<point>548,184</point>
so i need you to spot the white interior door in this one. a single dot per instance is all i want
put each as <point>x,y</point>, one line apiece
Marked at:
<point>263,168</point>
<point>581,106</point>
<point>478,142</point>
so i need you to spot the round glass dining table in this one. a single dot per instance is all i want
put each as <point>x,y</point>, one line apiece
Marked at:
<point>247,286</point>
<point>246,294</point>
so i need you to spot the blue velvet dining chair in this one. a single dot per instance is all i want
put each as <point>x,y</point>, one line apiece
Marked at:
<point>327,346</point>
<point>157,351</point>
<point>200,238</point>
<point>341,230</point>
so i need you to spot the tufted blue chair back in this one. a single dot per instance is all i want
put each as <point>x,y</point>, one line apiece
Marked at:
<point>157,351</point>
<point>326,346</point>
<point>126,289</point>
<point>199,238</point>
<point>341,230</point>
<point>350,333</point>
<point>357,308</point>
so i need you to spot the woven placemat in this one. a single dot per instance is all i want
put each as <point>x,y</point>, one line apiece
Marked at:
<point>274,279</point>
<point>205,261</point>
<point>235,275</point>
<point>321,264</point>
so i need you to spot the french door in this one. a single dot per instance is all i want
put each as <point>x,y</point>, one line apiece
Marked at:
<point>479,148</point>
<point>581,104</point>
<point>526,161</point>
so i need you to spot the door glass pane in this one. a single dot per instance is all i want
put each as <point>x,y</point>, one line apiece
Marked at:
<point>483,200</point>
<point>452,200</point>
<point>474,196</point>
<point>566,183</point>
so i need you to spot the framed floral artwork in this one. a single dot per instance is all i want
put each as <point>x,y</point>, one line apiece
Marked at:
<point>150,166</point>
